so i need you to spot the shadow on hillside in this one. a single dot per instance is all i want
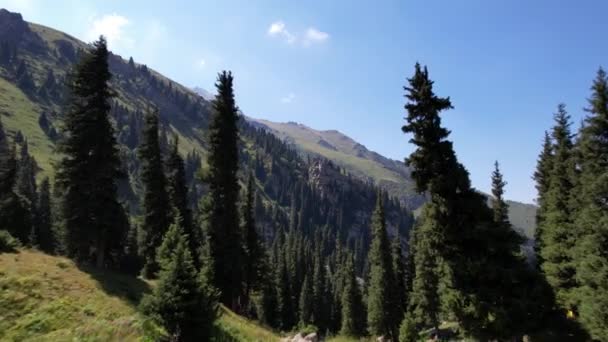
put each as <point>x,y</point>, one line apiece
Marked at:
<point>121,285</point>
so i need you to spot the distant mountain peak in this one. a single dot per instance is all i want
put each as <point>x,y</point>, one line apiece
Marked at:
<point>203,93</point>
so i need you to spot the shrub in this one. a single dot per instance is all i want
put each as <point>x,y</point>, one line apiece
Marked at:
<point>7,242</point>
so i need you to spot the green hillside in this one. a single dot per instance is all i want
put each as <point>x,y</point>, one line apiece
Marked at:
<point>392,175</point>
<point>48,298</point>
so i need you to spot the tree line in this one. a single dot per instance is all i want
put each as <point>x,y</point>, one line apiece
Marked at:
<point>572,232</point>
<point>461,263</point>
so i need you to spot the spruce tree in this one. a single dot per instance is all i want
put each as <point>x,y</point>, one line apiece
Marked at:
<point>558,233</point>
<point>379,293</point>
<point>8,173</point>
<point>25,186</point>
<point>285,305</point>
<point>510,287</point>
<point>306,302</point>
<point>178,197</point>
<point>26,176</point>
<point>320,293</point>
<point>219,208</point>
<point>182,301</point>
<point>266,306</point>
<point>14,208</point>
<point>591,254</point>
<point>254,251</point>
<point>155,201</point>
<point>541,177</point>
<point>353,322</point>
<point>171,239</point>
<point>90,166</point>
<point>399,290</point>
<point>424,303</point>
<point>450,279</point>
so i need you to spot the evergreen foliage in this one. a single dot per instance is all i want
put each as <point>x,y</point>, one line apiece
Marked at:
<point>155,202</point>
<point>558,233</point>
<point>353,313</point>
<point>14,213</point>
<point>219,208</point>
<point>541,176</point>
<point>424,302</point>
<point>380,288</point>
<point>25,186</point>
<point>254,250</point>
<point>320,291</point>
<point>306,303</point>
<point>178,197</point>
<point>44,221</point>
<point>182,301</point>
<point>399,290</point>
<point>591,252</point>
<point>462,256</point>
<point>90,167</point>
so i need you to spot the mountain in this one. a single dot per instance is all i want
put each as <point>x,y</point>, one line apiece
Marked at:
<point>35,63</point>
<point>203,93</point>
<point>392,175</point>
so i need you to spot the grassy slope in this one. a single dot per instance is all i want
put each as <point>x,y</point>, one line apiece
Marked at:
<point>308,139</point>
<point>17,112</point>
<point>48,298</point>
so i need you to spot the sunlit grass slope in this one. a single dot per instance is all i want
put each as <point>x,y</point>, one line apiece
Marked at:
<point>49,298</point>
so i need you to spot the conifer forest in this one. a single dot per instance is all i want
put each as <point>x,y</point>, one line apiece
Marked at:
<point>133,208</point>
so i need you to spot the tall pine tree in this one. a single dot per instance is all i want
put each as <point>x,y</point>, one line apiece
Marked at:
<point>13,213</point>
<point>452,244</point>
<point>178,196</point>
<point>399,290</point>
<point>379,292</point>
<point>155,199</point>
<point>591,254</point>
<point>557,231</point>
<point>254,250</point>
<point>541,177</point>
<point>219,208</point>
<point>353,313</point>
<point>90,167</point>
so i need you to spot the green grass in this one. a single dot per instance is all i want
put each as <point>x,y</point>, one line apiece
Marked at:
<point>17,112</point>
<point>48,298</point>
<point>232,327</point>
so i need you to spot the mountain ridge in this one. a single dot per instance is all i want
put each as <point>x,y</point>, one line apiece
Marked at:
<point>392,175</point>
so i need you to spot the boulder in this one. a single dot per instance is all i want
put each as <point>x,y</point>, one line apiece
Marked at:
<point>312,337</point>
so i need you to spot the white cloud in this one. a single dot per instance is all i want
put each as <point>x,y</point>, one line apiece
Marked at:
<point>201,63</point>
<point>112,26</point>
<point>313,35</point>
<point>278,29</point>
<point>289,98</point>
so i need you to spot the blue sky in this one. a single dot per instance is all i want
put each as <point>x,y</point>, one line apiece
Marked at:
<point>342,64</point>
